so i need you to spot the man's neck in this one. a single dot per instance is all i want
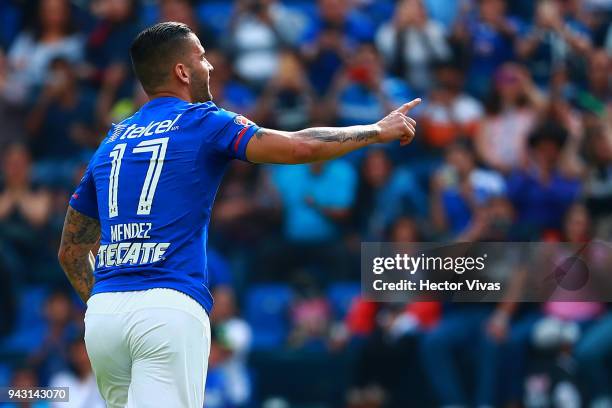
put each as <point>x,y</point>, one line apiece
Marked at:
<point>180,95</point>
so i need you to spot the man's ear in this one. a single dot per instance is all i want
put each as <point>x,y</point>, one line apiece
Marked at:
<point>182,73</point>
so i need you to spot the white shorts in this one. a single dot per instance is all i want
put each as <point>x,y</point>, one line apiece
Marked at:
<point>148,348</point>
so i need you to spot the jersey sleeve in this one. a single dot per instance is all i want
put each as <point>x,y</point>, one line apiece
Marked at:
<point>84,199</point>
<point>234,133</point>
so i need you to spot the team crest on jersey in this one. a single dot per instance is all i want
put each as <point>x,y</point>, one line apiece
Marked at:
<point>241,120</point>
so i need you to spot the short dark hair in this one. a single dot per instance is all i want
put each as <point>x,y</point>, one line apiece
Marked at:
<point>548,131</point>
<point>154,49</point>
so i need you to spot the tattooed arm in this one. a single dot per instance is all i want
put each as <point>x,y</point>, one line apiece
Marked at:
<point>324,143</point>
<point>79,236</point>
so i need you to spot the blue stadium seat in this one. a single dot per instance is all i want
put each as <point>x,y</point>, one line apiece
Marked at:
<point>30,326</point>
<point>31,306</point>
<point>265,309</point>
<point>341,295</point>
<point>5,375</point>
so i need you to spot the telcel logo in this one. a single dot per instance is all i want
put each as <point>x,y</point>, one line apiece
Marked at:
<point>134,131</point>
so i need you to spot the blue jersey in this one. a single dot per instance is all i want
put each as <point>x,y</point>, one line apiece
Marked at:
<point>152,183</point>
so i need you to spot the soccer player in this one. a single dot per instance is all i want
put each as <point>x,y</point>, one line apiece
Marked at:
<point>147,196</point>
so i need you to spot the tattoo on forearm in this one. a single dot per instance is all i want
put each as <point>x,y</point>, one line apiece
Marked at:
<point>80,234</point>
<point>330,134</point>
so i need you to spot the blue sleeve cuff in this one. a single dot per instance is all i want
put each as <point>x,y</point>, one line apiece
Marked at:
<point>242,140</point>
<point>80,207</point>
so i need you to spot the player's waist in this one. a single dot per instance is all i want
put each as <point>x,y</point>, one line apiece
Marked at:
<point>130,301</point>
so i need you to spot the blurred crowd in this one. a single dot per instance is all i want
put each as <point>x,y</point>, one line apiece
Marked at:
<point>514,143</point>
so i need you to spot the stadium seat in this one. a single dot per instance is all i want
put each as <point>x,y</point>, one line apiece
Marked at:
<point>30,326</point>
<point>5,375</point>
<point>266,311</point>
<point>31,306</point>
<point>341,295</point>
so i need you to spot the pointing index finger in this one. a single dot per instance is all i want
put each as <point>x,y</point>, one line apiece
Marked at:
<point>405,108</point>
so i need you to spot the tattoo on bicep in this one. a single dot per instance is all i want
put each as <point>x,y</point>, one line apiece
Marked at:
<point>80,229</point>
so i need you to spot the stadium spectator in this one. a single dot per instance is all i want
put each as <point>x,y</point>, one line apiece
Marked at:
<point>486,40</point>
<point>295,64</point>
<point>405,229</point>
<point>462,327</point>
<point>60,121</point>
<point>310,316</point>
<point>597,95</point>
<point>316,202</point>
<point>259,29</point>
<point>557,325</point>
<point>24,210</point>
<point>247,207</point>
<point>591,354</point>
<point>107,46</point>
<point>342,14</point>
<point>232,343</point>
<point>79,379</point>
<point>324,56</point>
<point>552,42</point>
<point>460,189</point>
<point>217,383</point>
<point>51,34</point>
<point>444,12</point>
<point>12,114</point>
<point>598,180</point>
<point>449,113</point>
<point>25,377</point>
<point>54,354</point>
<point>385,193</point>
<point>412,44</point>
<point>287,100</point>
<point>364,91</point>
<point>512,110</point>
<point>560,110</point>
<point>183,11</point>
<point>112,108</point>
<point>540,193</point>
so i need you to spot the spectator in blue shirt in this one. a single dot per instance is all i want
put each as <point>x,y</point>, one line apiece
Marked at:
<point>339,13</point>
<point>315,198</point>
<point>324,56</point>
<point>540,193</point>
<point>488,38</point>
<point>317,201</point>
<point>443,11</point>
<point>363,92</point>
<point>552,42</point>
<point>460,189</point>
<point>385,193</point>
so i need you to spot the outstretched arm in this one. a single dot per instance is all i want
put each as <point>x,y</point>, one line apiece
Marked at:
<point>324,143</point>
<point>79,236</point>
